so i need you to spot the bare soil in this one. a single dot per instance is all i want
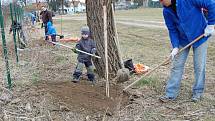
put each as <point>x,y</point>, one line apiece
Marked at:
<point>50,73</point>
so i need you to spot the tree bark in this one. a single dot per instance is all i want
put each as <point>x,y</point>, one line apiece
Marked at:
<point>95,22</point>
<point>62,5</point>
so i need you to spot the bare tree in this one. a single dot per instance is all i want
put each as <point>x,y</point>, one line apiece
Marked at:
<point>95,22</point>
<point>144,3</point>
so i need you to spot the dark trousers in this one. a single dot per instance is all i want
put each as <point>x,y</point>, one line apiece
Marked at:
<point>79,69</point>
<point>46,30</point>
<point>53,38</point>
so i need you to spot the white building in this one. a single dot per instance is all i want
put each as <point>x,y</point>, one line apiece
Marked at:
<point>34,1</point>
<point>83,1</point>
<point>75,7</point>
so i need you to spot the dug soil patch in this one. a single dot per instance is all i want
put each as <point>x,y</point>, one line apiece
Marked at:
<point>85,96</point>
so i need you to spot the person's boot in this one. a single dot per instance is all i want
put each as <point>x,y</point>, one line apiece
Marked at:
<point>93,81</point>
<point>46,38</point>
<point>76,77</point>
<point>91,77</point>
<point>196,98</point>
<point>75,80</point>
<point>166,99</point>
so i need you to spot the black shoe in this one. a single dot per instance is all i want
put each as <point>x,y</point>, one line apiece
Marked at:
<point>75,80</point>
<point>196,98</point>
<point>93,81</point>
<point>166,99</point>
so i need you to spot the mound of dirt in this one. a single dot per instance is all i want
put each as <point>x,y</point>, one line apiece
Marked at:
<point>84,96</point>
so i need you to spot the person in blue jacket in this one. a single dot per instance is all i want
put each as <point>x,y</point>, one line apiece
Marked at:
<point>88,45</point>
<point>185,22</point>
<point>51,32</point>
<point>33,18</point>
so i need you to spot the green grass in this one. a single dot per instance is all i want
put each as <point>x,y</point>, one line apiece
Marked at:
<point>141,14</point>
<point>152,82</point>
<point>70,28</point>
<point>61,59</point>
<point>35,78</point>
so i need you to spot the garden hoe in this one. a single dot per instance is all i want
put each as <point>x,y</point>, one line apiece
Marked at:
<point>75,49</point>
<point>163,63</point>
<point>61,36</point>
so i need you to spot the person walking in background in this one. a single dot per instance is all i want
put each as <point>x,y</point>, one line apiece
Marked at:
<point>33,18</point>
<point>46,17</point>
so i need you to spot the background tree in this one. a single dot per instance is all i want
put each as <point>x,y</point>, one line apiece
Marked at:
<point>56,4</point>
<point>53,4</point>
<point>95,22</point>
<point>143,3</point>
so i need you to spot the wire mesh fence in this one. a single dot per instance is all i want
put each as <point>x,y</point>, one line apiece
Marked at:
<point>16,32</point>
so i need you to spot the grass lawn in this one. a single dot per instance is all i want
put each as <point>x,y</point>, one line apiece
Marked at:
<point>152,14</point>
<point>149,46</point>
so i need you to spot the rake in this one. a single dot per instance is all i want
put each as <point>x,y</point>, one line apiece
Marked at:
<point>164,62</point>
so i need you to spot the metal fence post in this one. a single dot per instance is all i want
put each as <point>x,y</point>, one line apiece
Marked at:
<point>14,32</point>
<point>5,49</point>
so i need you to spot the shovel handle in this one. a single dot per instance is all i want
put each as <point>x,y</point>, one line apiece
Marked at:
<point>164,62</point>
<point>148,73</point>
<point>191,43</point>
<point>75,49</point>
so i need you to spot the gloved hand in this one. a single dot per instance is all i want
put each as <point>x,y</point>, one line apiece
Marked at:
<point>42,25</point>
<point>93,51</point>
<point>174,53</point>
<point>74,50</point>
<point>209,30</point>
<point>61,36</point>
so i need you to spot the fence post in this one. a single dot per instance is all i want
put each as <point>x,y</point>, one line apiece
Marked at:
<point>16,19</point>
<point>14,33</point>
<point>4,46</point>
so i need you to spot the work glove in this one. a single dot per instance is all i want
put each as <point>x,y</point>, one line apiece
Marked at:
<point>42,25</point>
<point>74,50</point>
<point>174,53</point>
<point>61,36</point>
<point>93,51</point>
<point>209,30</point>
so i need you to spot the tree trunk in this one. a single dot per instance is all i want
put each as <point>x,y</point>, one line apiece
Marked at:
<point>62,5</point>
<point>95,23</point>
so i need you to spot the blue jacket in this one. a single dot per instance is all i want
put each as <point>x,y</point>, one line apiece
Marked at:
<point>189,22</point>
<point>88,46</point>
<point>33,17</point>
<point>51,29</point>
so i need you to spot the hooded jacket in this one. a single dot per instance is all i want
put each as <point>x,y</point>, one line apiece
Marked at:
<point>188,22</point>
<point>87,45</point>
<point>51,29</point>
